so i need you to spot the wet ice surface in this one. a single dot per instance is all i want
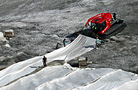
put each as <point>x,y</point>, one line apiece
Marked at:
<point>38,26</point>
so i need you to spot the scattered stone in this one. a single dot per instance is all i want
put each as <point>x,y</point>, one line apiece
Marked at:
<point>113,38</point>
<point>118,39</point>
<point>2,58</point>
<point>7,45</point>
<point>21,56</point>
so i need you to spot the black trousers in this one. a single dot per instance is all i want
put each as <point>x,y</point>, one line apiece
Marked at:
<point>44,63</point>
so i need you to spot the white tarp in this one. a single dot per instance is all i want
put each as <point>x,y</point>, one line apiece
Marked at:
<point>110,81</point>
<point>131,85</point>
<point>79,46</point>
<point>64,77</point>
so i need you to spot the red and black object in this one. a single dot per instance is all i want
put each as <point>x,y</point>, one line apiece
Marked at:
<point>105,24</point>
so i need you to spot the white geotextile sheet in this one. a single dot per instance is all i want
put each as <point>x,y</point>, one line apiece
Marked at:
<point>65,77</point>
<point>79,46</point>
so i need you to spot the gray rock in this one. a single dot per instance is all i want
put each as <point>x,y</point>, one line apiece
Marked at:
<point>114,38</point>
